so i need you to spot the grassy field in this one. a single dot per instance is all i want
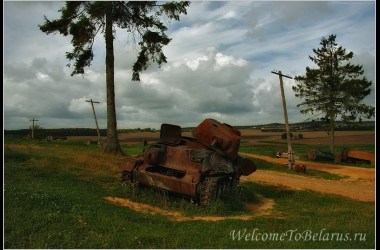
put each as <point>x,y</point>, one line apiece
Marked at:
<point>264,165</point>
<point>270,148</point>
<point>54,198</point>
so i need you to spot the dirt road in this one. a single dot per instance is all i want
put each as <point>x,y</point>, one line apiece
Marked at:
<point>354,173</point>
<point>359,185</point>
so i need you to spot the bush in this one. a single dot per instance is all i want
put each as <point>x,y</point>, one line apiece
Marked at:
<point>283,136</point>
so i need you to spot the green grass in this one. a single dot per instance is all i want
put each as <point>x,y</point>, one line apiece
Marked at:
<point>133,149</point>
<point>264,165</point>
<point>54,198</point>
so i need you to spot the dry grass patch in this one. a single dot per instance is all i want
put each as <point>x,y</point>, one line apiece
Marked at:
<point>262,208</point>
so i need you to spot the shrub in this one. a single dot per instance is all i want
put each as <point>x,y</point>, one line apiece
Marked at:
<point>283,136</point>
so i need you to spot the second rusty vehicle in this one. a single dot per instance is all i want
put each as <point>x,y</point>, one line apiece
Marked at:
<point>203,167</point>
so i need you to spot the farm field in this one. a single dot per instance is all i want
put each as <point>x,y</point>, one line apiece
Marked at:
<point>66,194</point>
<point>254,135</point>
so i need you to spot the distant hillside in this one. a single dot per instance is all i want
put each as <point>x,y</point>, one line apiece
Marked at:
<point>41,133</point>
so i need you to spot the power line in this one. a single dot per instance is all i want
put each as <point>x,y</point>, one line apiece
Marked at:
<point>313,116</point>
<point>96,121</point>
<point>280,74</point>
<point>290,150</point>
<point>33,120</point>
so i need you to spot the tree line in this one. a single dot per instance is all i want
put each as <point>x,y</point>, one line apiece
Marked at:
<point>60,133</point>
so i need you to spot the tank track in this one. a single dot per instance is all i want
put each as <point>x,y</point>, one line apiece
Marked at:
<point>215,187</point>
<point>207,192</point>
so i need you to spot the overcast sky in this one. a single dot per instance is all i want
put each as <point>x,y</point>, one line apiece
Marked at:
<point>219,64</point>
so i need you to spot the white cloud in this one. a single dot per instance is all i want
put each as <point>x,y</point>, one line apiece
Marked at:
<point>230,15</point>
<point>223,61</point>
<point>79,105</point>
<point>194,63</point>
<point>217,85</point>
<point>41,76</point>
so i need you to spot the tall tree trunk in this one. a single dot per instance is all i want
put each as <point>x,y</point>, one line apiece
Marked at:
<point>113,145</point>
<point>332,131</point>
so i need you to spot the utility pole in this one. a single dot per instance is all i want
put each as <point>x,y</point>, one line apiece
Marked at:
<point>290,150</point>
<point>96,121</point>
<point>33,120</point>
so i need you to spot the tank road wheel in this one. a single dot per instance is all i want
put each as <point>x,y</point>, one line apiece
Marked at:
<point>227,187</point>
<point>235,186</point>
<point>214,188</point>
<point>207,191</point>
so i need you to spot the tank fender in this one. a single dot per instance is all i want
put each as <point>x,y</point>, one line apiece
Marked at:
<point>245,166</point>
<point>131,163</point>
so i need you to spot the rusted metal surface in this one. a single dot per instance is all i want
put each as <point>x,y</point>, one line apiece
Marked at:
<point>245,166</point>
<point>221,137</point>
<point>170,133</point>
<point>132,163</point>
<point>203,168</point>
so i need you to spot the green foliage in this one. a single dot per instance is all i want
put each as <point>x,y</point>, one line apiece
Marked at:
<point>84,20</point>
<point>285,136</point>
<point>335,87</point>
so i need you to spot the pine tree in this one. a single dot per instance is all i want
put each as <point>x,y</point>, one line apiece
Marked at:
<point>335,88</point>
<point>83,20</point>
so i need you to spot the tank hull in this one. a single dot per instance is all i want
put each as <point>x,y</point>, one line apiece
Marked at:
<point>192,167</point>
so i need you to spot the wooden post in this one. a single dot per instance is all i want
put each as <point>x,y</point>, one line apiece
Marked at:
<point>96,121</point>
<point>33,120</point>
<point>290,150</point>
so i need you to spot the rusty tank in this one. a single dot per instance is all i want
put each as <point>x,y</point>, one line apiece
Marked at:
<point>203,167</point>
